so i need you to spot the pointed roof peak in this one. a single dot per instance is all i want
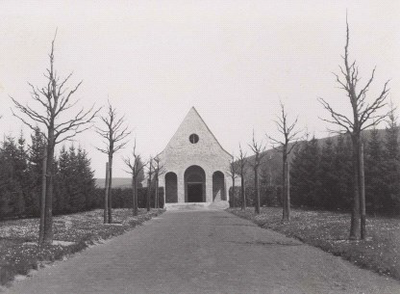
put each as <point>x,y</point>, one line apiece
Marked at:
<point>191,115</point>
<point>193,109</point>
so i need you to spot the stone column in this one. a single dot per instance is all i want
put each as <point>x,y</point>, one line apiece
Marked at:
<point>181,187</point>
<point>209,187</point>
<point>228,185</point>
<point>161,183</point>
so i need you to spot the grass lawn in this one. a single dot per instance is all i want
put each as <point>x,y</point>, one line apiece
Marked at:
<point>20,253</point>
<point>330,231</point>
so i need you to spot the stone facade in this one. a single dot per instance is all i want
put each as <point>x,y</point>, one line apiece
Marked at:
<point>196,167</point>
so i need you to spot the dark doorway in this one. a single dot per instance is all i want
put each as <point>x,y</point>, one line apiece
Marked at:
<point>195,192</point>
<point>219,186</point>
<point>171,187</point>
<point>195,184</point>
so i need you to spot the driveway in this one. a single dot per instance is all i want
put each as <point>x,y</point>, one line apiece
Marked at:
<point>203,252</point>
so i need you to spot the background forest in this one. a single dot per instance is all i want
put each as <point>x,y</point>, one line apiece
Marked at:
<point>320,176</point>
<point>21,172</point>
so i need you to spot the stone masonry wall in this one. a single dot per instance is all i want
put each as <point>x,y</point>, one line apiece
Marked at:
<point>207,153</point>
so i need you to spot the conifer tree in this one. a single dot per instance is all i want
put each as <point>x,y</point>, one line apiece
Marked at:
<point>11,196</point>
<point>392,163</point>
<point>304,174</point>
<point>62,182</point>
<point>327,175</point>
<point>343,167</point>
<point>35,169</point>
<point>86,179</point>
<point>76,199</point>
<point>375,173</point>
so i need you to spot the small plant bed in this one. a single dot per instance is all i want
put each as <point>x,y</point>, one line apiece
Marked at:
<point>19,252</point>
<point>329,231</point>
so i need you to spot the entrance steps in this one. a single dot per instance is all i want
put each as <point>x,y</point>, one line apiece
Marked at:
<point>218,205</point>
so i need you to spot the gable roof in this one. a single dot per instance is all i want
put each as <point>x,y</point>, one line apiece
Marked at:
<point>193,114</point>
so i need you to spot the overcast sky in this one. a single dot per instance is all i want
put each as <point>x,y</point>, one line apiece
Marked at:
<point>232,60</point>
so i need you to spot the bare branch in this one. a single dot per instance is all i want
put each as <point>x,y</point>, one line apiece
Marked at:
<point>134,163</point>
<point>114,132</point>
<point>259,149</point>
<point>337,118</point>
<point>288,131</point>
<point>242,159</point>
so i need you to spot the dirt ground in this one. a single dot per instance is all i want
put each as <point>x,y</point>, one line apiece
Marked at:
<point>203,252</point>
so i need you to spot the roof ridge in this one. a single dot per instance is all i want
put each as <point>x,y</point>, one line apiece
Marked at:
<point>205,124</point>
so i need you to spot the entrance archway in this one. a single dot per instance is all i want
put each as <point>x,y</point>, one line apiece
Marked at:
<point>195,184</point>
<point>171,187</point>
<point>218,186</point>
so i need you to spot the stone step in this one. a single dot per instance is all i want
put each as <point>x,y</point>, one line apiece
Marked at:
<point>219,205</point>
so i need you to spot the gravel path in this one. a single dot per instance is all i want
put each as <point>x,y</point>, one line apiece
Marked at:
<point>203,252</point>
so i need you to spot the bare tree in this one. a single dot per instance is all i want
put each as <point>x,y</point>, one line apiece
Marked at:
<point>258,148</point>
<point>290,136</point>
<point>115,134</point>
<point>242,159</point>
<point>158,171</point>
<point>135,166</point>
<point>53,102</point>
<point>149,183</point>
<point>233,173</point>
<point>105,218</point>
<point>365,114</point>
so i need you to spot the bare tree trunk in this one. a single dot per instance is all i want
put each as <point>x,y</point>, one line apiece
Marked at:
<point>233,192</point>
<point>134,196</point>
<point>362,195</point>
<point>135,167</point>
<point>48,218</point>
<point>148,195</point>
<point>149,187</point>
<point>285,215</point>
<point>257,191</point>
<point>242,191</point>
<point>110,163</point>
<point>43,199</point>
<point>106,195</point>
<point>355,215</point>
<point>285,187</point>
<point>288,190</point>
<point>156,200</point>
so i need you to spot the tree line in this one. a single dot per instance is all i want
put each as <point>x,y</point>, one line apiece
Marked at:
<point>321,174</point>
<point>21,172</point>
<point>21,178</point>
<point>314,173</point>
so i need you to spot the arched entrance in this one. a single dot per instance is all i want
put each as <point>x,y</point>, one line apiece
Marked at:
<point>218,186</point>
<point>195,184</point>
<point>171,187</point>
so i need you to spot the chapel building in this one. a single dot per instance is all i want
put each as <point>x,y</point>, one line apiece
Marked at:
<point>196,167</point>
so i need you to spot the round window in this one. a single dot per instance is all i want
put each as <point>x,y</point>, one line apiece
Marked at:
<point>194,138</point>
